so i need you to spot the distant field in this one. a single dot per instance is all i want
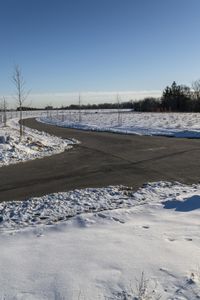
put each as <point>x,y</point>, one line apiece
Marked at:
<point>168,124</point>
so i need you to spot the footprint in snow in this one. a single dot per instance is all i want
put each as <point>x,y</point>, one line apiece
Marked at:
<point>171,239</point>
<point>118,220</point>
<point>188,239</point>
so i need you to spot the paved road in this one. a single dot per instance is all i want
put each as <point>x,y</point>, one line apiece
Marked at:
<point>102,159</point>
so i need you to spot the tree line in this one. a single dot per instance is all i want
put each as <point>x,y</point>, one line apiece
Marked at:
<point>175,98</point>
<point>122,105</point>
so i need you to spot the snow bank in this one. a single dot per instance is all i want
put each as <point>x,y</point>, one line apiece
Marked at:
<point>34,144</point>
<point>166,124</point>
<point>114,235</point>
<point>57,207</point>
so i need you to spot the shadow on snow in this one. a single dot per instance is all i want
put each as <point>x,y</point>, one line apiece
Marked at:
<point>189,204</point>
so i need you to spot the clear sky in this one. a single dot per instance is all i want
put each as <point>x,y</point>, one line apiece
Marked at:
<point>67,46</point>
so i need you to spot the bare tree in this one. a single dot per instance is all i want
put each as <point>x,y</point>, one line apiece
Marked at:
<point>196,88</point>
<point>118,111</point>
<point>21,94</point>
<point>4,112</point>
<point>79,105</point>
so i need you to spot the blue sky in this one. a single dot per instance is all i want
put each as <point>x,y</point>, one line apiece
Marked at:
<point>67,46</point>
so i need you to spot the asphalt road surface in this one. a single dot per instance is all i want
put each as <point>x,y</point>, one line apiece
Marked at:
<point>101,159</point>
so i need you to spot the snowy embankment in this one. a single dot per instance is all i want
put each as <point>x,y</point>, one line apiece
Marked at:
<point>98,243</point>
<point>163,124</point>
<point>34,144</point>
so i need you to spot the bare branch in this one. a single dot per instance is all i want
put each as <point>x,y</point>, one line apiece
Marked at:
<point>21,94</point>
<point>196,88</point>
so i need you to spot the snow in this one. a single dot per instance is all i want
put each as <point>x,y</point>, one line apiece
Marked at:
<point>61,206</point>
<point>95,244</point>
<point>166,124</point>
<point>34,144</point>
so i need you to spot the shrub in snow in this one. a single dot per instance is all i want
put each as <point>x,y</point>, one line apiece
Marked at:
<point>143,291</point>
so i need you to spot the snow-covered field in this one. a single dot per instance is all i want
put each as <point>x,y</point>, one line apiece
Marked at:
<point>167,124</point>
<point>34,144</point>
<point>95,244</point>
<point>104,243</point>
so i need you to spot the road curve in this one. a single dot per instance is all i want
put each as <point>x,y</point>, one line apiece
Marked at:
<point>101,159</point>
